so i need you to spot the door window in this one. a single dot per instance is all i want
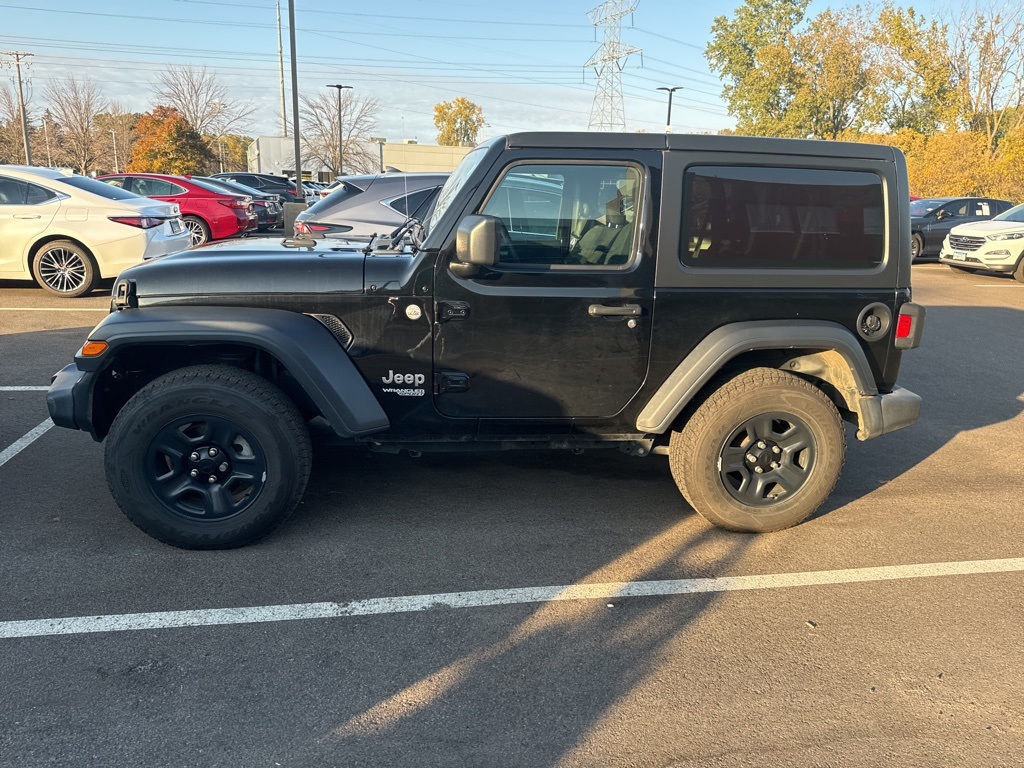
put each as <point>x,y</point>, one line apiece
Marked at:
<point>577,215</point>
<point>15,192</point>
<point>155,187</point>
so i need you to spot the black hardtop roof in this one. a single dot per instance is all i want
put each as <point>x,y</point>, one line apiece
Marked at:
<point>695,142</point>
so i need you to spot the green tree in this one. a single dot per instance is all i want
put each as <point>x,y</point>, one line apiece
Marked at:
<point>168,144</point>
<point>458,122</point>
<point>913,57</point>
<point>753,52</point>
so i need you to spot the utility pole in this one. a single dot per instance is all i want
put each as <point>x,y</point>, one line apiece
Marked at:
<point>295,102</point>
<point>19,59</point>
<point>113,138</point>
<point>280,69</point>
<point>608,114</point>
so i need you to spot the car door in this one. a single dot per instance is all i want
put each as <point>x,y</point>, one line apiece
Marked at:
<point>944,219</point>
<point>554,330</point>
<point>26,210</point>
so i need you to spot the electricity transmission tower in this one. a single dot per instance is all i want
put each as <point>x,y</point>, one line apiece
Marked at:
<point>608,114</point>
<point>19,60</point>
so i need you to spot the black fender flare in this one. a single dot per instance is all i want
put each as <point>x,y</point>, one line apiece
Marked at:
<point>300,343</point>
<point>724,343</point>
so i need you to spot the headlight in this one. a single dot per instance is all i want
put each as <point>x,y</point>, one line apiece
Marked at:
<point>1006,236</point>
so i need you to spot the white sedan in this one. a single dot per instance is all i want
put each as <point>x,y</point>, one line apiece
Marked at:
<point>67,231</point>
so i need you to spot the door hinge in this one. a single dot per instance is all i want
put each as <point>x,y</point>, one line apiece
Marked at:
<point>450,381</point>
<point>452,310</point>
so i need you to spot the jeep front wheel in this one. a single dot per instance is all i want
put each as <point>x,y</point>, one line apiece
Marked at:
<point>208,457</point>
<point>760,453</point>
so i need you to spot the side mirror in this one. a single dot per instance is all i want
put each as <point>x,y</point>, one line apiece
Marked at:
<point>476,245</point>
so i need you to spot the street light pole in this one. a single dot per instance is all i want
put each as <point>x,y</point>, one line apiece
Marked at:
<point>113,138</point>
<point>668,120</point>
<point>341,135</point>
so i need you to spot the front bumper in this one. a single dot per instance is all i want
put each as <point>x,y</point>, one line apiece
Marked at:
<point>69,399</point>
<point>882,414</point>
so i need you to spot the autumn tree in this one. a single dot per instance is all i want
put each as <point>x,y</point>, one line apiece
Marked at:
<point>319,118</point>
<point>458,122</point>
<point>168,144</point>
<point>74,104</point>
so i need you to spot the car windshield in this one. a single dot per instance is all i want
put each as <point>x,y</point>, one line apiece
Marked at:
<point>1014,214</point>
<point>454,185</point>
<point>99,188</point>
<point>922,207</point>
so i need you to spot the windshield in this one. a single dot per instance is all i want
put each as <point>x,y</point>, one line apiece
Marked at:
<point>1014,214</point>
<point>100,188</point>
<point>922,207</point>
<point>454,185</point>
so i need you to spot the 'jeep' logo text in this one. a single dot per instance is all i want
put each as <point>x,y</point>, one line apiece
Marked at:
<point>403,378</point>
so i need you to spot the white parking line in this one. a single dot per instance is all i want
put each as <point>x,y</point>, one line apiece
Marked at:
<point>21,444</point>
<point>453,600</point>
<point>55,309</point>
<point>23,389</point>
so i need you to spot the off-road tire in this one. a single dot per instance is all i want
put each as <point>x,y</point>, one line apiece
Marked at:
<point>711,441</point>
<point>64,268</point>
<point>262,448</point>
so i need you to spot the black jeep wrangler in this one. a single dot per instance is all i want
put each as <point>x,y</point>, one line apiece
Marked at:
<point>724,301</point>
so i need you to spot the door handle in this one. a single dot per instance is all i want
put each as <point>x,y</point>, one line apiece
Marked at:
<point>625,310</point>
<point>28,216</point>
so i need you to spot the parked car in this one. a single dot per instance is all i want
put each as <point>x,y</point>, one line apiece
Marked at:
<point>330,188</point>
<point>996,245</point>
<point>362,206</point>
<point>209,213</point>
<point>67,232</point>
<point>268,208</point>
<point>264,182</point>
<point>932,218</point>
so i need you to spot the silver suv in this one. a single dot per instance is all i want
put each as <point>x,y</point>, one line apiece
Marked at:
<point>375,204</point>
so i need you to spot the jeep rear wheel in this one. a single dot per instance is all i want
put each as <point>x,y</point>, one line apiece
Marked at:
<point>208,457</point>
<point>760,453</point>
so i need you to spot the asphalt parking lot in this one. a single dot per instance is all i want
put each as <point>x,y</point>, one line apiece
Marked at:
<point>529,609</point>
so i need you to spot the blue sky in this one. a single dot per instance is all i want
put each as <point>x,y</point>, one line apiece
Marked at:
<point>523,61</point>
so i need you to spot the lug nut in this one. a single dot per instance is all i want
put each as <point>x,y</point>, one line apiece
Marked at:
<point>194,456</point>
<point>223,467</point>
<point>761,443</point>
<point>751,457</point>
<point>212,479</point>
<point>776,449</point>
<point>775,465</point>
<point>758,470</point>
<point>194,473</point>
<point>213,452</point>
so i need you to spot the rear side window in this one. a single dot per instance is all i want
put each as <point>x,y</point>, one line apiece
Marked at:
<point>781,218</point>
<point>96,187</point>
<point>407,204</point>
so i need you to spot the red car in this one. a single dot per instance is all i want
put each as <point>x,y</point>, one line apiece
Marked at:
<point>208,212</point>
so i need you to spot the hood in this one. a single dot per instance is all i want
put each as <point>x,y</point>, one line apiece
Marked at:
<point>250,268</point>
<point>988,227</point>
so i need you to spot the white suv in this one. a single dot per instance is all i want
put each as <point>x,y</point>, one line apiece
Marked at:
<point>996,245</point>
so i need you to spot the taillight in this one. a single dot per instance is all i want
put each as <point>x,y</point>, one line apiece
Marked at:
<point>909,326</point>
<point>240,204</point>
<point>904,326</point>
<point>302,228</point>
<point>261,203</point>
<point>142,222</point>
